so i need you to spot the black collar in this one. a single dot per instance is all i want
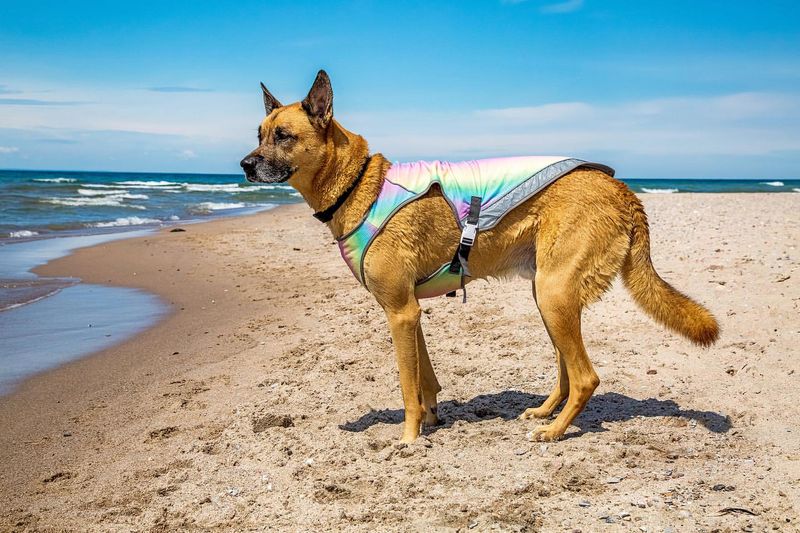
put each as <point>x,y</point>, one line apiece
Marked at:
<point>327,214</point>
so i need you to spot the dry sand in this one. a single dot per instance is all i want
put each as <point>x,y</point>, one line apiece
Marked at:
<point>269,398</point>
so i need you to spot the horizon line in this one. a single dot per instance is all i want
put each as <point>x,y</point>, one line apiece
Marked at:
<point>698,178</point>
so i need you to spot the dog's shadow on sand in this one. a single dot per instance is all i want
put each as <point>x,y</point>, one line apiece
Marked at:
<point>508,405</point>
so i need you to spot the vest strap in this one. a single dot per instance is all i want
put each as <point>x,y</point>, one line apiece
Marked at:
<point>460,261</point>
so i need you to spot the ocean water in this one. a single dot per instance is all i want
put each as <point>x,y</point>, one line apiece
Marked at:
<point>38,204</point>
<point>46,322</point>
<point>671,186</point>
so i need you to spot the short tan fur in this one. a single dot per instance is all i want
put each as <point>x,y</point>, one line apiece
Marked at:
<point>571,239</point>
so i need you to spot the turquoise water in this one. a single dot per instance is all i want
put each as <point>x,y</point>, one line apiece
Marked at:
<point>76,321</point>
<point>712,185</point>
<point>45,322</point>
<point>42,203</point>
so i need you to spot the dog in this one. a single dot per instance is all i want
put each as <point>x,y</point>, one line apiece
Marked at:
<point>572,238</point>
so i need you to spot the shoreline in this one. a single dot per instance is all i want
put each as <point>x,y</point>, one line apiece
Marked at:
<point>183,397</point>
<point>89,265</point>
<point>50,320</point>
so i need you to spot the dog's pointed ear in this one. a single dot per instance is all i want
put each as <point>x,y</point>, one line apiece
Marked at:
<point>319,102</point>
<point>270,102</point>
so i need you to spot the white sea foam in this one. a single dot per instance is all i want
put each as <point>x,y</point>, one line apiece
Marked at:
<point>55,180</point>
<point>149,183</point>
<point>659,191</point>
<point>100,186</point>
<point>772,183</point>
<point>126,221</point>
<point>103,201</point>
<point>226,187</point>
<point>101,192</point>
<point>265,187</point>
<point>133,185</point>
<point>120,194</point>
<point>171,186</point>
<point>212,187</point>
<point>796,190</point>
<point>219,206</point>
<point>23,233</point>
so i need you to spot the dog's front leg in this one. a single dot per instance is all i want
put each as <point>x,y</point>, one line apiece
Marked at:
<point>404,323</point>
<point>429,383</point>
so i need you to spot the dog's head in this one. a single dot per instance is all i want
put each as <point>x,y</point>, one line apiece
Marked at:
<point>292,139</point>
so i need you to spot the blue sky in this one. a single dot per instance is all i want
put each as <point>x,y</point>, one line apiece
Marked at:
<point>655,89</point>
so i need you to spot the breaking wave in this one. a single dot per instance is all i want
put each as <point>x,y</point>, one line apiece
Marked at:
<point>219,206</point>
<point>126,221</point>
<point>55,180</point>
<point>659,191</point>
<point>103,201</point>
<point>22,233</point>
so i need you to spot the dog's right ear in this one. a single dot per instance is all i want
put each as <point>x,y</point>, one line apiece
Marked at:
<point>270,102</point>
<point>319,102</point>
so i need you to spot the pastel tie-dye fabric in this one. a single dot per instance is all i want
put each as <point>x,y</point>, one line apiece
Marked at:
<point>501,183</point>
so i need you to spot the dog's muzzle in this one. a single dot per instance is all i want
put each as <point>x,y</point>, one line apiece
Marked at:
<point>258,170</point>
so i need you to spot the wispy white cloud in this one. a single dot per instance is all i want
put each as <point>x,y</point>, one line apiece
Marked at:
<point>654,137</point>
<point>4,89</point>
<point>567,6</point>
<point>38,102</point>
<point>734,134</point>
<point>8,149</point>
<point>178,89</point>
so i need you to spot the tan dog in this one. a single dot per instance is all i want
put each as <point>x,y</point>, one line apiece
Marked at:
<point>576,235</point>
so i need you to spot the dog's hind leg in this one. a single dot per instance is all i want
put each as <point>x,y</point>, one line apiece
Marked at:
<point>561,312</point>
<point>557,396</point>
<point>430,385</point>
<point>561,388</point>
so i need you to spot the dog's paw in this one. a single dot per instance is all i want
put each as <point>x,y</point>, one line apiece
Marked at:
<point>535,412</point>
<point>430,420</point>
<point>546,433</point>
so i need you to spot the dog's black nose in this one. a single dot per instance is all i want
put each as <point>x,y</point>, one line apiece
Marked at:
<point>249,163</point>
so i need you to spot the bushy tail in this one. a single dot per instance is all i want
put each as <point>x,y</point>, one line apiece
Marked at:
<point>659,299</point>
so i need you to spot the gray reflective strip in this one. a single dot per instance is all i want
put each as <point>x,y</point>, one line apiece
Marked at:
<point>492,214</point>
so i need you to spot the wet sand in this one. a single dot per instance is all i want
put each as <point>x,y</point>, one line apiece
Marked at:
<point>268,398</point>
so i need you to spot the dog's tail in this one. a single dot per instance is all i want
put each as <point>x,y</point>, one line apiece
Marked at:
<point>659,299</point>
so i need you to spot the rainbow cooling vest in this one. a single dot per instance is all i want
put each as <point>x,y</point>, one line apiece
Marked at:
<point>480,193</point>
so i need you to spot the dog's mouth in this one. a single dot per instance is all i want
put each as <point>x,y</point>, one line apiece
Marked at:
<point>269,174</point>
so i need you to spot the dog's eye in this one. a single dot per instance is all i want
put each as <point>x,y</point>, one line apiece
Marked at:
<point>282,135</point>
<point>260,136</point>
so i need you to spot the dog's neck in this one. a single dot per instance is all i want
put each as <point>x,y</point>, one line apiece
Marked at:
<point>348,155</point>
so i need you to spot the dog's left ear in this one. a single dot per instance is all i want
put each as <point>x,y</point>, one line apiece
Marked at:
<point>319,102</point>
<point>270,102</point>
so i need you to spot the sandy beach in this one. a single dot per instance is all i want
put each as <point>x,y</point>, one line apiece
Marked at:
<point>268,399</point>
